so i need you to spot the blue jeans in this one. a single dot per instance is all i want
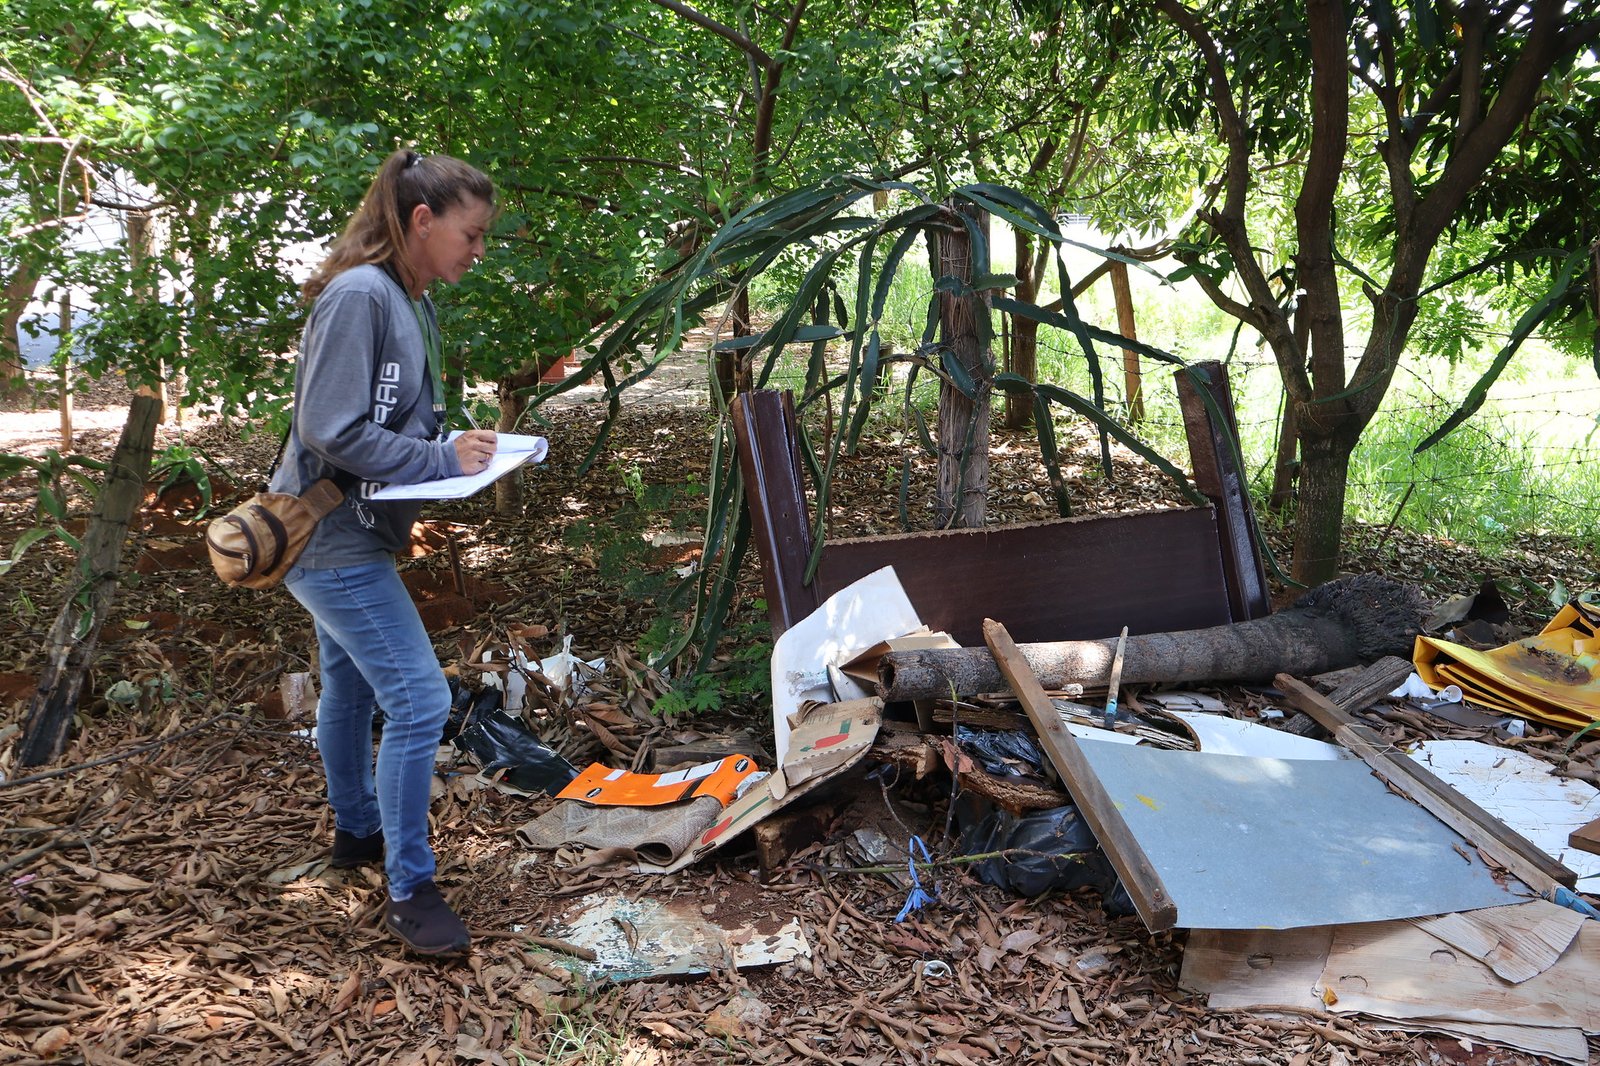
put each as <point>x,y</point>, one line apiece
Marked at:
<point>374,648</point>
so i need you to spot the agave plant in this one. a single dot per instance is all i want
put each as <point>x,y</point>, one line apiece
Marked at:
<point>827,221</point>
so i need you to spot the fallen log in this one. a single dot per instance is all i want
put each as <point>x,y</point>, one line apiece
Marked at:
<point>1346,622</point>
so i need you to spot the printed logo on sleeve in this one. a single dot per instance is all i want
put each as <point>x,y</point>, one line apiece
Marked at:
<point>386,394</point>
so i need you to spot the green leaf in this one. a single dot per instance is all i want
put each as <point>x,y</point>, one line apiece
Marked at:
<point>1111,426</point>
<point>1530,320</point>
<point>960,376</point>
<point>800,335</point>
<point>29,538</point>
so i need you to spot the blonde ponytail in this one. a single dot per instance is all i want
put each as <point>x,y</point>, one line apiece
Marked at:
<point>376,233</point>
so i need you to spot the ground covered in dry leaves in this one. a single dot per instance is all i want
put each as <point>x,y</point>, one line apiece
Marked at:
<point>165,898</point>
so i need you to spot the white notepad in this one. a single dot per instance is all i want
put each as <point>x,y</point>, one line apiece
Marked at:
<point>511,451</point>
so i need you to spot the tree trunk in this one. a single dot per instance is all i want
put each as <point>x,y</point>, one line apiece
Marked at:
<point>139,250</point>
<point>1123,293</point>
<point>963,489</point>
<point>1344,623</point>
<point>1285,466</point>
<point>508,498</point>
<point>1024,353</point>
<point>19,288</point>
<point>76,632</point>
<point>1594,302</point>
<point>1319,516</point>
<point>733,365</point>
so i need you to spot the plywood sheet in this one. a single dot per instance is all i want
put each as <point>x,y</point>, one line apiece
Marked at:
<point>1252,843</point>
<point>1522,791</point>
<point>1067,579</point>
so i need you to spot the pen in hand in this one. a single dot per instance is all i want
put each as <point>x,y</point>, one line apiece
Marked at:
<point>475,447</point>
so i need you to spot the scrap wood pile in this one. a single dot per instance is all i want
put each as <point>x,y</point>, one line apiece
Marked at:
<point>1192,818</point>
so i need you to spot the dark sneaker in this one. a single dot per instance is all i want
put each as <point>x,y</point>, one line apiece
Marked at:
<point>426,923</point>
<point>350,851</point>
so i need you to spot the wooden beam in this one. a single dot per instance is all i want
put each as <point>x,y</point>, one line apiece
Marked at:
<point>1368,686</point>
<point>1138,876</point>
<point>769,459</point>
<point>1481,829</point>
<point>1586,838</point>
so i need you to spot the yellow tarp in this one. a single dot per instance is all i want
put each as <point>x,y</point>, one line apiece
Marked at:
<point>1553,677</point>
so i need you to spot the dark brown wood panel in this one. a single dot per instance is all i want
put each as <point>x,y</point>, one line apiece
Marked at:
<point>1213,451</point>
<point>1068,579</point>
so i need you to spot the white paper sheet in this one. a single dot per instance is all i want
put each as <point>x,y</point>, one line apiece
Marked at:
<point>852,620</point>
<point>511,451</point>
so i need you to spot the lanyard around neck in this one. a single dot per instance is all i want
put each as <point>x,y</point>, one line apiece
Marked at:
<point>433,345</point>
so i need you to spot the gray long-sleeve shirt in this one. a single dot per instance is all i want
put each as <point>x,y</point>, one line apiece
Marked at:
<point>362,364</point>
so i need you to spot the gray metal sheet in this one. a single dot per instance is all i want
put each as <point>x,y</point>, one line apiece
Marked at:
<point>1251,843</point>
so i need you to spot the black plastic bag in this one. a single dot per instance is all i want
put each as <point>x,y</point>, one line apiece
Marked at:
<point>1066,854</point>
<point>1003,752</point>
<point>499,741</point>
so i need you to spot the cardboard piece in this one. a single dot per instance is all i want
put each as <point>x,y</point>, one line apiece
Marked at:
<point>642,938</point>
<point>1517,942</point>
<point>1241,968</point>
<point>1264,969</point>
<point>1395,970</point>
<point>864,667</point>
<point>827,739</point>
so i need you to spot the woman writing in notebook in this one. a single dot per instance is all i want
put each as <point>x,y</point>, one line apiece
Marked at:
<point>369,409</point>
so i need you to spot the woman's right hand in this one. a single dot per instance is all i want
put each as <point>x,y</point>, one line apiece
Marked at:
<point>474,449</point>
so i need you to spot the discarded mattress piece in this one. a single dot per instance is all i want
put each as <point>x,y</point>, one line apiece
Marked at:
<point>1553,677</point>
<point>647,834</point>
<point>1209,824</point>
<point>1522,791</point>
<point>633,939</point>
<point>662,837</point>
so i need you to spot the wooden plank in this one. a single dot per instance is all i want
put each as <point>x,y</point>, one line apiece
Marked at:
<point>1127,857</point>
<point>1480,828</point>
<point>1154,572</point>
<point>1363,689</point>
<point>1214,456</point>
<point>1586,838</point>
<point>764,425</point>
